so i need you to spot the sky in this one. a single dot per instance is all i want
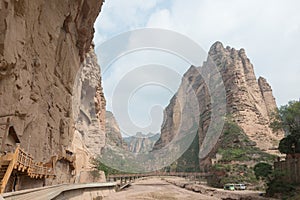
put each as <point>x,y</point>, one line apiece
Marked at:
<point>268,30</point>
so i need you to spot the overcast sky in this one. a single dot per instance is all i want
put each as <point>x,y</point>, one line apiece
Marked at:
<point>268,30</point>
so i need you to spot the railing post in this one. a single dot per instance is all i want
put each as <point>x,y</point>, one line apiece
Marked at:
<point>9,170</point>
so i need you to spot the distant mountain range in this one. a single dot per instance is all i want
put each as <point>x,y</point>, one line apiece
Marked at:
<point>141,143</point>
<point>136,144</point>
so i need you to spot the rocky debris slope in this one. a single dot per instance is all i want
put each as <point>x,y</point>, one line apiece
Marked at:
<point>42,46</point>
<point>249,102</point>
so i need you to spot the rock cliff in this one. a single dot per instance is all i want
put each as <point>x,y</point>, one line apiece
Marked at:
<point>267,95</point>
<point>89,113</point>
<point>141,143</point>
<point>42,46</point>
<point>113,133</point>
<point>249,102</point>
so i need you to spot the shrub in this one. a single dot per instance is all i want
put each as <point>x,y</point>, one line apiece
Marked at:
<point>263,170</point>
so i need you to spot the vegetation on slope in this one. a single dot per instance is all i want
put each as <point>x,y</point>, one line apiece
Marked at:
<point>236,146</point>
<point>99,166</point>
<point>288,119</point>
<point>238,155</point>
<point>189,161</point>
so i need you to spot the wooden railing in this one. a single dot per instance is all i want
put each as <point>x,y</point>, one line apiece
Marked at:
<point>12,158</point>
<point>22,161</point>
<point>37,170</point>
<point>34,169</point>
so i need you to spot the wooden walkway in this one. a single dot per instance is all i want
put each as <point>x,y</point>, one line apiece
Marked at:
<point>22,162</point>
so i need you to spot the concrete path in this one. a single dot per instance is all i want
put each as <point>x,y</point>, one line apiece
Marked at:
<point>52,192</point>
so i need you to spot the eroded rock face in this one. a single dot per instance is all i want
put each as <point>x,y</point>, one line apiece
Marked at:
<point>113,133</point>
<point>141,143</point>
<point>89,114</point>
<point>249,101</point>
<point>42,45</point>
<point>267,94</point>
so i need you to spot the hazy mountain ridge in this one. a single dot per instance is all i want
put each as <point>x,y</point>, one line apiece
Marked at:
<point>141,143</point>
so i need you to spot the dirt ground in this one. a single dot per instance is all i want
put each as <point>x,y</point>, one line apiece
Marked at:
<point>167,188</point>
<point>155,188</point>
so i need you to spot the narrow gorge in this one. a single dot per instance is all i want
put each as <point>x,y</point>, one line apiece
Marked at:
<point>53,107</point>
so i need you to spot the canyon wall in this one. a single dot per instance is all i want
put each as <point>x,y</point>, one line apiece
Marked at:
<point>88,105</point>
<point>42,46</point>
<point>249,102</point>
<point>141,143</point>
<point>113,133</point>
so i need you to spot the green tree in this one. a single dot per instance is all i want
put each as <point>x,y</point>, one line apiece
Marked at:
<point>99,166</point>
<point>288,119</point>
<point>290,144</point>
<point>263,170</point>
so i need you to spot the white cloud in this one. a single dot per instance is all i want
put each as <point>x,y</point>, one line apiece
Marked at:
<point>269,30</point>
<point>118,16</point>
<point>161,18</point>
<point>128,80</point>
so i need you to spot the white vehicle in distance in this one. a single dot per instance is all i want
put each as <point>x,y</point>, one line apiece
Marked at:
<point>240,186</point>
